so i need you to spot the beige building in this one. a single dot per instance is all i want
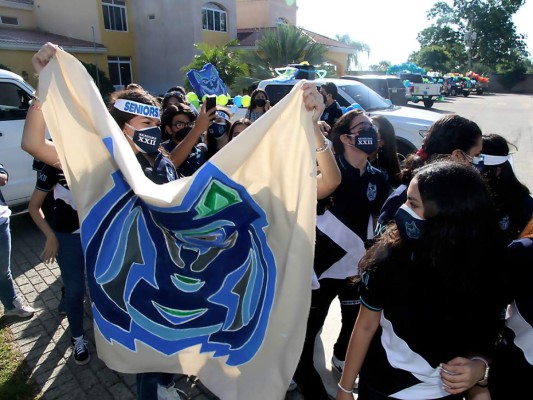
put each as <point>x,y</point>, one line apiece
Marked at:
<point>143,41</point>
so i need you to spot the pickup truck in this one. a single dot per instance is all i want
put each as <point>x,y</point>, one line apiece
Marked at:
<point>15,95</point>
<point>410,124</point>
<point>418,90</point>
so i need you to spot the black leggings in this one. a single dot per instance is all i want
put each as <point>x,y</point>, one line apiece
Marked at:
<point>306,376</point>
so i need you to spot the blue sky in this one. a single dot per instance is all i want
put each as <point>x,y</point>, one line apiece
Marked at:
<point>388,27</point>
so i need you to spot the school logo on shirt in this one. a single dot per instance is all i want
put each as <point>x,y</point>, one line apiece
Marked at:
<point>371,192</point>
<point>504,223</point>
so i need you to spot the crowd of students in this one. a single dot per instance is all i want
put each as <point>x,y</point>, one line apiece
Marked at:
<point>425,256</point>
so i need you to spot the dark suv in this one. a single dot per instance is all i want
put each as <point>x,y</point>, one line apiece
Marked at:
<point>387,86</point>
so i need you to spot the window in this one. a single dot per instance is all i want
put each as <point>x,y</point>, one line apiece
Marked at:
<point>119,71</point>
<point>214,18</point>
<point>115,15</point>
<point>9,20</point>
<point>14,102</point>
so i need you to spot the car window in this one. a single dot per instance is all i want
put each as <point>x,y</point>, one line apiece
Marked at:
<point>277,92</point>
<point>367,98</point>
<point>413,78</point>
<point>14,102</point>
<point>395,83</point>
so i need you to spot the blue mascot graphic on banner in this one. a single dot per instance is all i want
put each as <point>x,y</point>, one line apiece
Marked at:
<point>198,273</point>
<point>206,81</point>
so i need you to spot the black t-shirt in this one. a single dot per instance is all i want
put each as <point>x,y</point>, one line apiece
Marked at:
<point>332,113</point>
<point>353,202</point>
<point>420,326</point>
<point>61,215</point>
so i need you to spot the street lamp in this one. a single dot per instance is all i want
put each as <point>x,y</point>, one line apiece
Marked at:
<point>469,38</point>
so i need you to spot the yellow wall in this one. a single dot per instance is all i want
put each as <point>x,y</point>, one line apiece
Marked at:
<point>215,38</point>
<point>339,60</point>
<point>25,17</point>
<point>18,61</point>
<point>118,43</point>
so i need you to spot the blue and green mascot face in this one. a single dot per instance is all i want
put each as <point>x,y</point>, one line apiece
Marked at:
<point>206,81</point>
<point>198,273</point>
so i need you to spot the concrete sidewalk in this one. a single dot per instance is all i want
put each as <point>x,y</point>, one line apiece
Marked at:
<point>44,340</point>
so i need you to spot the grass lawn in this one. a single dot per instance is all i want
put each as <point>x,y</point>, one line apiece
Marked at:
<point>14,374</point>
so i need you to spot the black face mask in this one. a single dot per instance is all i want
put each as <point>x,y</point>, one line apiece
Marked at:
<point>260,102</point>
<point>217,130</point>
<point>366,141</point>
<point>182,133</point>
<point>409,224</point>
<point>146,140</point>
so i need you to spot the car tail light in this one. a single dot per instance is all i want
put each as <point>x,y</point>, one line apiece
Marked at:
<point>411,89</point>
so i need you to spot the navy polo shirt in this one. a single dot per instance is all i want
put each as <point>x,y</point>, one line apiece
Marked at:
<point>332,113</point>
<point>355,200</point>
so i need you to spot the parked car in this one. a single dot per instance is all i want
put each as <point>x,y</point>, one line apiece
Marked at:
<point>420,90</point>
<point>410,124</point>
<point>387,86</point>
<point>15,95</point>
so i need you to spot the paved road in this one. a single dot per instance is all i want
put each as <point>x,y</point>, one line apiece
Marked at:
<point>509,115</point>
<point>44,339</point>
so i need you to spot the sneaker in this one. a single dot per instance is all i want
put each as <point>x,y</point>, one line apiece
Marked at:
<point>20,309</point>
<point>62,307</point>
<point>81,352</point>
<point>292,386</point>
<point>337,364</point>
<point>167,393</point>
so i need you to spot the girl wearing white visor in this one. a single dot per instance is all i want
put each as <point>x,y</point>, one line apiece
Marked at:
<point>511,198</point>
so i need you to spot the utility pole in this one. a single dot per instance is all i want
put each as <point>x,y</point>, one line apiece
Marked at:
<point>469,38</point>
<point>95,59</point>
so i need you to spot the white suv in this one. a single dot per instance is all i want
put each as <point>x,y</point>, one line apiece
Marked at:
<point>15,94</point>
<point>410,124</point>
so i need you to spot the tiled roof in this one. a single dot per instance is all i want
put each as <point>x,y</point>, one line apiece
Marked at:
<point>248,38</point>
<point>26,39</point>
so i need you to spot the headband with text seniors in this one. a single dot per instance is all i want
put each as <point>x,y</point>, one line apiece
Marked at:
<point>222,114</point>
<point>132,107</point>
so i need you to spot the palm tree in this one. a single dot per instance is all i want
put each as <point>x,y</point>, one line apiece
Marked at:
<point>359,47</point>
<point>227,62</point>
<point>278,47</point>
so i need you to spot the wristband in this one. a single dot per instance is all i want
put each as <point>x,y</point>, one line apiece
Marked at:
<point>344,390</point>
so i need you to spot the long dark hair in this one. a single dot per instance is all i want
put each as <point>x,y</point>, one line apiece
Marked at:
<point>449,133</point>
<point>507,191</point>
<point>253,96</point>
<point>388,154</point>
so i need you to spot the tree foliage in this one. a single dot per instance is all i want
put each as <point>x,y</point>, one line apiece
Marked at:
<point>278,47</point>
<point>497,40</point>
<point>434,58</point>
<point>104,83</point>
<point>359,47</point>
<point>383,65</point>
<point>224,58</point>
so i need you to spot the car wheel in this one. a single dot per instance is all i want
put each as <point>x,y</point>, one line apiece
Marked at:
<point>428,103</point>
<point>466,93</point>
<point>480,91</point>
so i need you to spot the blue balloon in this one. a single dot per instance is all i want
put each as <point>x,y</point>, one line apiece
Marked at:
<point>237,100</point>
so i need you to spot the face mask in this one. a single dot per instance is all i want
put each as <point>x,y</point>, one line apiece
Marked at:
<point>180,135</point>
<point>366,141</point>
<point>409,224</point>
<point>217,130</point>
<point>146,140</point>
<point>260,102</point>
